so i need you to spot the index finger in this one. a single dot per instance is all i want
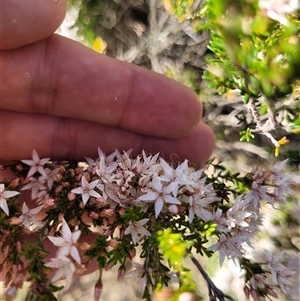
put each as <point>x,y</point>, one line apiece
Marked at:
<point>27,21</point>
<point>60,77</point>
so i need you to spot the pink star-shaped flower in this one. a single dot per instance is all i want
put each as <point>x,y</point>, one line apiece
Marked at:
<point>36,164</point>
<point>87,190</point>
<point>6,194</point>
<point>67,242</point>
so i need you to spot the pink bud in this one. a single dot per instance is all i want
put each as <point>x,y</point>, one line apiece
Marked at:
<point>58,177</point>
<point>61,216</point>
<point>132,253</point>
<point>173,209</point>
<point>98,290</point>
<point>66,184</point>
<point>247,291</point>
<point>19,246</point>
<point>49,203</point>
<point>14,183</point>
<point>101,200</point>
<point>121,231</point>
<point>94,215</point>
<point>14,220</point>
<point>113,243</point>
<point>187,296</point>
<point>108,212</point>
<point>71,196</point>
<point>62,169</point>
<point>108,232</point>
<point>20,267</point>
<point>122,211</point>
<point>254,295</point>
<point>8,278</point>
<point>19,167</point>
<point>121,272</point>
<point>109,266</point>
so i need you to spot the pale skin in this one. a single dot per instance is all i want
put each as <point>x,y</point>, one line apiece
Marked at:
<point>65,100</point>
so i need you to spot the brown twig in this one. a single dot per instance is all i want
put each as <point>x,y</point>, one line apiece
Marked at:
<point>214,293</point>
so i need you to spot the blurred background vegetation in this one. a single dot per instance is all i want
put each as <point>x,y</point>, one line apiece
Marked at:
<point>179,39</point>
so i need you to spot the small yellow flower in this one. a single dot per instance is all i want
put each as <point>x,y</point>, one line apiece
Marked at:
<point>282,141</point>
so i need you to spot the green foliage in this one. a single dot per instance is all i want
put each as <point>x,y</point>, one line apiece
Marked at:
<point>254,56</point>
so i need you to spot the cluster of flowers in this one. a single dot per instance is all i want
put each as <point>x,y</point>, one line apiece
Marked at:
<point>106,188</point>
<point>279,9</point>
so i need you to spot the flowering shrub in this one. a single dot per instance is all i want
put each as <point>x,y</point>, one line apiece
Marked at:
<point>128,202</point>
<point>168,211</point>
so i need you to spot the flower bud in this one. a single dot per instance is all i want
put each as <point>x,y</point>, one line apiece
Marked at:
<point>132,253</point>
<point>58,189</point>
<point>98,290</point>
<point>19,167</point>
<point>20,267</point>
<point>247,291</point>
<point>14,183</point>
<point>66,184</point>
<point>94,215</point>
<point>14,220</point>
<point>8,278</point>
<point>108,212</point>
<point>173,209</point>
<point>19,246</point>
<point>100,200</point>
<point>121,232</point>
<point>62,169</point>
<point>121,272</point>
<point>109,266</point>
<point>187,296</point>
<point>122,211</point>
<point>108,232</point>
<point>61,216</point>
<point>71,196</point>
<point>84,246</point>
<point>49,203</point>
<point>58,177</point>
<point>113,243</point>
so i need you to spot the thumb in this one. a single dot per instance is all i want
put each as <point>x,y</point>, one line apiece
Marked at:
<point>27,21</point>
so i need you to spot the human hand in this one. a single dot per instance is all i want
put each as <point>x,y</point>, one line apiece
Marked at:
<point>65,100</point>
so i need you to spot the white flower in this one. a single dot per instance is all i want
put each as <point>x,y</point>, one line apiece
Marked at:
<point>137,274</point>
<point>36,164</point>
<point>36,186</point>
<point>87,189</point>
<point>6,194</point>
<point>199,203</point>
<point>136,230</point>
<point>50,176</point>
<point>29,219</point>
<point>280,273</point>
<point>67,242</point>
<point>159,194</point>
<point>173,177</point>
<point>257,194</point>
<point>231,247</point>
<point>65,269</point>
<point>278,9</point>
<point>283,279</point>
